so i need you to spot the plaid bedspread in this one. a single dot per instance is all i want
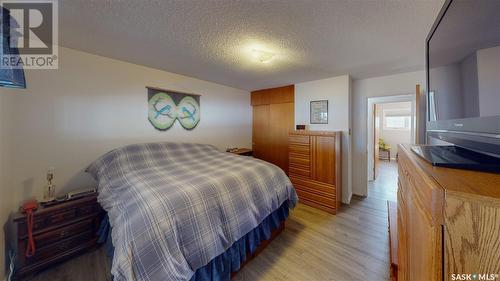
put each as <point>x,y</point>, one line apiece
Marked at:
<point>174,207</point>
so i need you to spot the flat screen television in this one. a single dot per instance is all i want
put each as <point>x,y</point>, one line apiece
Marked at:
<point>463,76</point>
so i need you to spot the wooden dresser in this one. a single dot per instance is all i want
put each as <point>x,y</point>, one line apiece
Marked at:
<point>448,221</point>
<point>315,168</point>
<point>59,232</point>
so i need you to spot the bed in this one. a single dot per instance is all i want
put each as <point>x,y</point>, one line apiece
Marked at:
<point>187,211</point>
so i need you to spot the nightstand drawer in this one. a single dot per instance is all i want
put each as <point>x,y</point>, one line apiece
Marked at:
<point>54,236</point>
<point>85,210</point>
<point>57,218</point>
<point>61,231</point>
<point>62,246</point>
<point>46,220</point>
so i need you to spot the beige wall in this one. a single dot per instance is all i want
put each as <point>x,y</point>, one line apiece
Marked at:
<point>488,65</point>
<point>337,90</point>
<point>6,189</point>
<point>90,105</point>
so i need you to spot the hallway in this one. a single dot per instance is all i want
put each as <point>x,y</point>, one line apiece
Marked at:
<point>385,186</point>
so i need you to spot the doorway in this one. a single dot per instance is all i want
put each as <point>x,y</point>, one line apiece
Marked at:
<point>391,121</point>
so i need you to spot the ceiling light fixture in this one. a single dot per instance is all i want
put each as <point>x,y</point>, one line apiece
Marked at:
<point>263,56</point>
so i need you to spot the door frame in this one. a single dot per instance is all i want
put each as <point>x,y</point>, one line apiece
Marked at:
<point>370,144</point>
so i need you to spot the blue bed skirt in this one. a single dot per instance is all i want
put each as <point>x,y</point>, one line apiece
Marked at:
<point>221,267</point>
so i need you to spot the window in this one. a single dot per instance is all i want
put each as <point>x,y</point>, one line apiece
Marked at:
<point>397,120</point>
<point>432,106</point>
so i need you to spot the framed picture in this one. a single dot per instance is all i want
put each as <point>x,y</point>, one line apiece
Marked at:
<point>167,106</point>
<point>319,112</point>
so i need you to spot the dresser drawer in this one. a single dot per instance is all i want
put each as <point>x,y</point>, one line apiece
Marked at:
<point>298,139</point>
<point>302,161</point>
<point>54,236</point>
<point>319,199</point>
<point>302,150</point>
<point>62,246</point>
<point>313,186</point>
<point>299,172</point>
<point>299,166</point>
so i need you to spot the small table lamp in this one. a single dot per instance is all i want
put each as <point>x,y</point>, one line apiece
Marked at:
<point>49,194</point>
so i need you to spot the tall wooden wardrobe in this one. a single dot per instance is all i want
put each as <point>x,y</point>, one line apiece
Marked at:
<point>273,118</point>
<point>315,168</point>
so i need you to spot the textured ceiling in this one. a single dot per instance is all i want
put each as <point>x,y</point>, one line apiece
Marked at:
<point>212,40</point>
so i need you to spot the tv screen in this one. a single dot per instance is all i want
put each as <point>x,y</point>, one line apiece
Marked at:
<point>464,64</point>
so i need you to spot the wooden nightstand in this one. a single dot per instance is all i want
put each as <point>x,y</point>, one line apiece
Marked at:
<point>59,231</point>
<point>242,151</point>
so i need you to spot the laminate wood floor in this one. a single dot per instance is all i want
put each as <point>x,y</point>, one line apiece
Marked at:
<point>353,245</point>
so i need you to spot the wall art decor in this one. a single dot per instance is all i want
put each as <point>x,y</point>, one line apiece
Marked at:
<point>167,106</point>
<point>319,112</point>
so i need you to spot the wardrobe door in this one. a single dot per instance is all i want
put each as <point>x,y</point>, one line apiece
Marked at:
<point>281,122</point>
<point>323,159</point>
<point>273,118</point>
<point>260,132</point>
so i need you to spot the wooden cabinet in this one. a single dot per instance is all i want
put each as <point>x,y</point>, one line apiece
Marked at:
<point>445,209</point>
<point>402,230</point>
<point>273,118</point>
<point>284,94</point>
<point>422,219</point>
<point>314,168</point>
<point>472,225</point>
<point>59,232</point>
